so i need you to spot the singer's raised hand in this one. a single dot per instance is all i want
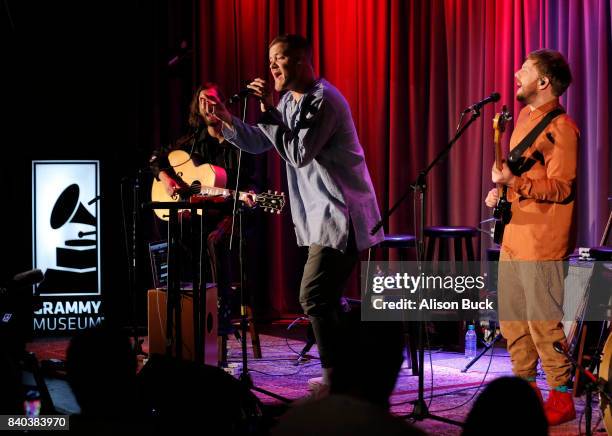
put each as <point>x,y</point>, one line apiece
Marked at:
<point>216,109</point>
<point>260,89</point>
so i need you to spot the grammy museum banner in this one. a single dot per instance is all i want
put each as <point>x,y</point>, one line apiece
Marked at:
<point>66,244</point>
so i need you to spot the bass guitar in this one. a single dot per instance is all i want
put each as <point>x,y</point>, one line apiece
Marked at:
<point>502,212</point>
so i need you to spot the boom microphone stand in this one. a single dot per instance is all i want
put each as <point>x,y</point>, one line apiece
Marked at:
<point>419,187</point>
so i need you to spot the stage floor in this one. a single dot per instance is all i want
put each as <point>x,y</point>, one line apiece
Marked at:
<point>277,372</point>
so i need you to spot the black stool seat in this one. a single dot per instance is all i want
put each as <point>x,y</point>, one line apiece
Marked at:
<point>449,231</point>
<point>454,235</point>
<point>601,253</point>
<point>398,241</point>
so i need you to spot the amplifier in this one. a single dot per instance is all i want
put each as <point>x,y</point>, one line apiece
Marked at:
<point>157,324</point>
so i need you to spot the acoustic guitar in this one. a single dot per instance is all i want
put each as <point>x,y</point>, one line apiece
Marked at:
<point>206,181</point>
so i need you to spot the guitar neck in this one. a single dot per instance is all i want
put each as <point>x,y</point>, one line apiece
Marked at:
<point>212,191</point>
<point>498,151</point>
<point>498,159</point>
<point>499,123</point>
<point>498,163</point>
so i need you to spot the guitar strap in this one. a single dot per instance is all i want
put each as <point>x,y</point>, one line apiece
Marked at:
<point>516,160</point>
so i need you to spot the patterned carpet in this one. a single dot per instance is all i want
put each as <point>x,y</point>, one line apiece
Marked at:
<point>451,395</point>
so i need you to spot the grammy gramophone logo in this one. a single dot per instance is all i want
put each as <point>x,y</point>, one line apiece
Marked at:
<point>66,227</point>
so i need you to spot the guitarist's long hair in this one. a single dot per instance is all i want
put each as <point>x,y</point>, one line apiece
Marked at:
<point>195,119</point>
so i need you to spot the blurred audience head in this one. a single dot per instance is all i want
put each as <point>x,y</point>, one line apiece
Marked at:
<point>508,403</point>
<point>101,368</point>
<point>11,391</point>
<point>372,359</point>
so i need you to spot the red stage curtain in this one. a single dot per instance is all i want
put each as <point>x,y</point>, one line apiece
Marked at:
<point>408,68</point>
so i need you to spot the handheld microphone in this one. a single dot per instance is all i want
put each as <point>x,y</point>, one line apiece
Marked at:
<point>490,99</point>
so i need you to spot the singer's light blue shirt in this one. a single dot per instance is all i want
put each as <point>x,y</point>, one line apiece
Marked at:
<point>329,182</point>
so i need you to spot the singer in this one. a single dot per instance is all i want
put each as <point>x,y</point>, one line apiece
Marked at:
<point>541,180</point>
<point>206,144</point>
<point>332,199</point>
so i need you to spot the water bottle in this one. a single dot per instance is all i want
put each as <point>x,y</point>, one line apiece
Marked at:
<point>470,342</point>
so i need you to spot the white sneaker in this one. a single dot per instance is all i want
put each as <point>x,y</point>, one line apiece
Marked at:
<point>316,383</point>
<point>317,389</point>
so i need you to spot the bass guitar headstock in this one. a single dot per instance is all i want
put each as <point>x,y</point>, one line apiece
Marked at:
<point>500,120</point>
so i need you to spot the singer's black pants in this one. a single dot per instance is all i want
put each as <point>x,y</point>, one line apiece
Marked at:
<point>325,275</point>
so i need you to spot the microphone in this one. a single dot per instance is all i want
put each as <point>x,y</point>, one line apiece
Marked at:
<point>244,92</point>
<point>490,99</point>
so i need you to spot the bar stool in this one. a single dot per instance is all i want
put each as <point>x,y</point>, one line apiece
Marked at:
<point>403,243</point>
<point>449,239</point>
<point>455,235</point>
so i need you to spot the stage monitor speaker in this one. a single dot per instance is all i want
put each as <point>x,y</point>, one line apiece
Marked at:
<point>157,324</point>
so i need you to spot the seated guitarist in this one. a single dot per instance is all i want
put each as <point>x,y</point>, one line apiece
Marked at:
<point>541,180</point>
<point>207,145</point>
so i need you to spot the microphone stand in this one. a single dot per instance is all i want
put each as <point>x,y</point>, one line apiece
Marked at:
<point>245,375</point>
<point>134,264</point>
<point>419,188</point>
<point>493,324</point>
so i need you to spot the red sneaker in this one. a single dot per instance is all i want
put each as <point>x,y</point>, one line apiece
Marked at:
<point>537,390</point>
<point>559,407</point>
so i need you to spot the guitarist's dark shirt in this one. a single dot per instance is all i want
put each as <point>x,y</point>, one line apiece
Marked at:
<point>208,150</point>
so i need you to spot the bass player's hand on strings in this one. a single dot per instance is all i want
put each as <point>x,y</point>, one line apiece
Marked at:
<point>492,198</point>
<point>503,176</point>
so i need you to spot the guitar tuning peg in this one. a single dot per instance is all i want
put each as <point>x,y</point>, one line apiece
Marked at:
<point>278,212</point>
<point>269,191</point>
<point>275,192</point>
<point>265,209</point>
